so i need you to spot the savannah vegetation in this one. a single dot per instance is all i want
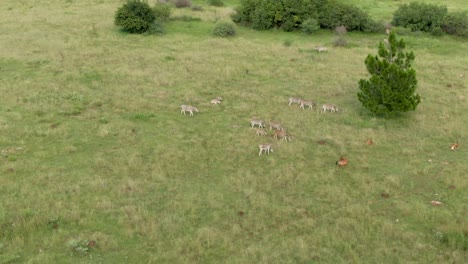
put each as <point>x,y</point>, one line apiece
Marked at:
<point>98,165</point>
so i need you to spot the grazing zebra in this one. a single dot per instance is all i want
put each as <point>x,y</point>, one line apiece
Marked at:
<point>267,147</point>
<point>188,108</point>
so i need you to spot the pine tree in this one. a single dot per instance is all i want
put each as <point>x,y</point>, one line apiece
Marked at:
<point>392,85</point>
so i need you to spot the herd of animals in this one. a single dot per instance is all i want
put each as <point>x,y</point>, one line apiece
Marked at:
<point>278,130</point>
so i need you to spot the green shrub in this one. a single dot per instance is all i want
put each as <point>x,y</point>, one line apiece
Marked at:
<point>182,3</point>
<point>156,28</point>
<point>456,23</point>
<point>224,29</point>
<point>162,12</point>
<point>419,16</point>
<point>437,31</point>
<point>289,15</point>
<point>333,14</point>
<point>310,26</point>
<point>215,2</point>
<point>134,17</point>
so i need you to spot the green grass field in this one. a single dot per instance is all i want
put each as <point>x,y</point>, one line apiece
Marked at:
<point>94,147</point>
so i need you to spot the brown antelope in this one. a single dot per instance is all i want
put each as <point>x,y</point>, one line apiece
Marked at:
<point>260,132</point>
<point>281,134</point>
<point>304,103</point>
<point>188,108</point>
<point>257,122</point>
<point>342,162</point>
<point>321,49</point>
<point>454,146</point>
<point>267,147</point>
<point>276,125</point>
<point>369,142</point>
<point>294,100</point>
<point>331,107</point>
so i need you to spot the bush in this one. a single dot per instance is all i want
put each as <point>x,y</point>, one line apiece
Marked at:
<point>224,29</point>
<point>156,28</point>
<point>162,12</point>
<point>134,17</point>
<point>419,16</point>
<point>310,26</point>
<point>215,2</point>
<point>182,3</point>
<point>289,15</point>
<point>333,14</point>
<point>456,24</point>
<point>392,85</point>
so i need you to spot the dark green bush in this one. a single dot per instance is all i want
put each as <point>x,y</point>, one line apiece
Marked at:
<point>215,2</point>
<point>419,16</point>
<point>162,12</point>
<point>333,14</point>
<point>310,26</point>
<point>289,15</point>
<point>134,17</point>
<point>456,23</point>
<point>224,29</point>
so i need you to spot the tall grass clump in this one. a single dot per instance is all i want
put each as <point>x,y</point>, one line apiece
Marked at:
<point>217,3</point>
<point>134,17</point>
<point>340,40</point>
<point>224,29</point>
<point>182,3</point>
<point>162,12</point>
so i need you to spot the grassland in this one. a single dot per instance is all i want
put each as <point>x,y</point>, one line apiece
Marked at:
<point>93,146</point>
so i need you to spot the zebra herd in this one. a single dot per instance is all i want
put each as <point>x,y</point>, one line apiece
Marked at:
<point>279,132</point>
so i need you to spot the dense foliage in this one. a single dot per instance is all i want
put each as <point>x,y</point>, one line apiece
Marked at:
<point>456,23</point>
<point>134,17</point>
<point>289,15</point>
<point>431,18</point>
<point>392,85</point>
<point>419,16</point>
<point>310,25</point>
